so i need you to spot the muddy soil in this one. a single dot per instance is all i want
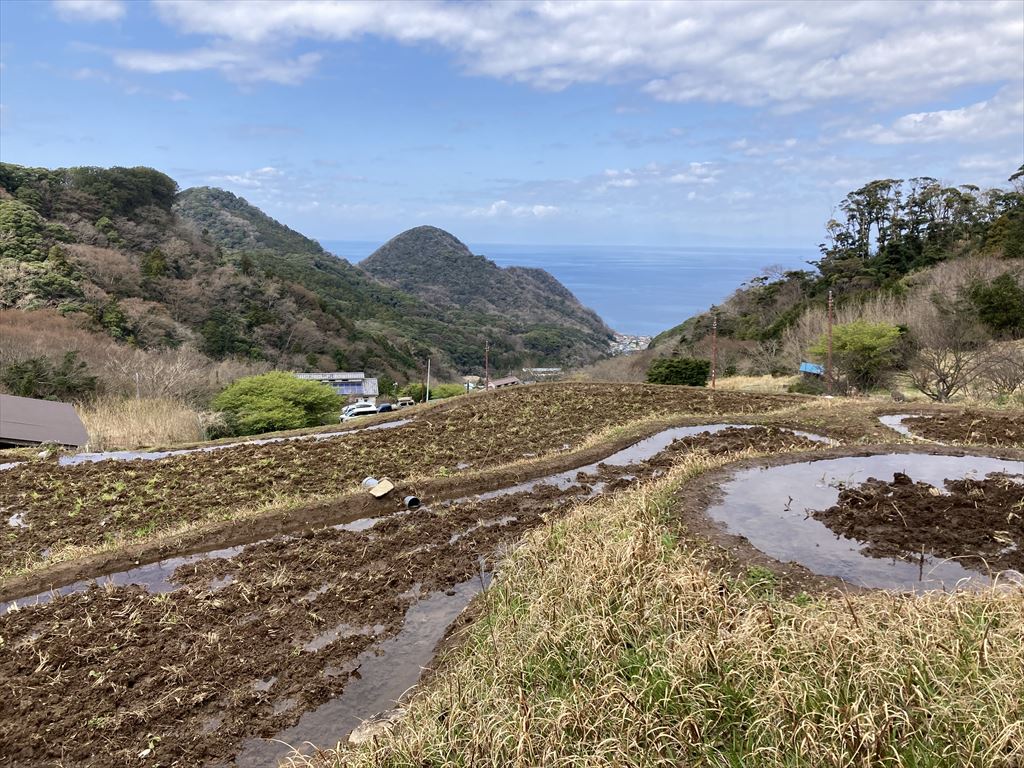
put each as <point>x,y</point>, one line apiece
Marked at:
<point>54,507</point>
<point>242,648</point>
<point>734,440</point>
<point>246,645</point>
<point>979,522</point>
<point>1000,428</point>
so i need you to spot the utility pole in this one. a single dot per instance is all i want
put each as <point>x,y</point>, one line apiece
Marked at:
<point>714,350</point>
<point>487,365</point>
<point>828,359</point>
<point>426,398</point>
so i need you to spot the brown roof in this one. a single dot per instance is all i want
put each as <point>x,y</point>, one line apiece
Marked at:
<point>29,421</point>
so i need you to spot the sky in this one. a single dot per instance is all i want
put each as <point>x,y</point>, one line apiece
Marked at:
<point>677,124</point>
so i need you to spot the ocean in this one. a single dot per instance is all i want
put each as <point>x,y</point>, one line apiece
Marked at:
<point>637,290</point>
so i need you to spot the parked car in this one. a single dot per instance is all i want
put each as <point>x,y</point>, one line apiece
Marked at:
<point>385,408</point>
<point>356,410</point>
<point>405,402</point>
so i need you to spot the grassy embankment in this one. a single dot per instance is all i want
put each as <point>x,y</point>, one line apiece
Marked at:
<point>613,638</point>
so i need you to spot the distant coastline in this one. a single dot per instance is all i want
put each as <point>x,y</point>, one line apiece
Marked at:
<point>637,290</point>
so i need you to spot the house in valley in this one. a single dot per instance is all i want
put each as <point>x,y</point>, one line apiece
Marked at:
<point>349,384</point>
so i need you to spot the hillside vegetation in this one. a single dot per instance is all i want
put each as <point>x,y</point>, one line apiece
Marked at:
<point>943,267</point>
<point>437,267</point>
<point>119,268</point>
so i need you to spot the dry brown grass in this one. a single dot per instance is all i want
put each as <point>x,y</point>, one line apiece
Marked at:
<point>763,384</point>
<point>119,424</point>
<point>605,641</point>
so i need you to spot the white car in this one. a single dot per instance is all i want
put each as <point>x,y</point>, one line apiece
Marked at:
<point>356,410</point>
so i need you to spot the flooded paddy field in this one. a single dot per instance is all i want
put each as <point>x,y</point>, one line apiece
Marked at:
<point>108,503</point>
<point>1000,428</point>
<point>996,428</point>
<point>208,659</point>
<point>227,653</point>
<point>940,521</point>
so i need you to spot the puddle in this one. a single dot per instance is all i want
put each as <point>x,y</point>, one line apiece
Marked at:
<point>327,637</point>
<point>283,705</point>
<point>386,671</point>
<point>10,465</point>
<point>895,422</point>
<point>82,458</point>
<point>641,451</point>
<point>156,577</point>
<point>265,684</point>
<point>769,506</point>
<point>220,582</point>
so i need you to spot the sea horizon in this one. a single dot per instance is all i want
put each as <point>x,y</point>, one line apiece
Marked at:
<point>637,290</point>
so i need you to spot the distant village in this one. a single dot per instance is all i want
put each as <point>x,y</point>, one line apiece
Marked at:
<point>625,344</point>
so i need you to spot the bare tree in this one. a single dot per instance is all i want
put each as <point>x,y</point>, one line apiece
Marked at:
<point>766,357</point>
<point>1004,373</point>
<point>952,350</point>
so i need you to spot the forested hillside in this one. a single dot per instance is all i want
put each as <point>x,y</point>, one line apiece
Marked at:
<point>118,255</point>
<point>944,265</point>
<point>437,267</point>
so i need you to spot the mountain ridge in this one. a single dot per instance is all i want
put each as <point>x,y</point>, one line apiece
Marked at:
<point>431,262</point>
<point>131,257</point>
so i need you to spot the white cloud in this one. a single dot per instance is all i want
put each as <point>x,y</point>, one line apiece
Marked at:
<point>89,10</point>
<point>127,87</point>
<point>502,208</point>
<point>254,179</point>
<point>759,149</point>
<point>238,64</point>
<point>696,173</point>
<point>1002,115</point>
<point>789,55</point>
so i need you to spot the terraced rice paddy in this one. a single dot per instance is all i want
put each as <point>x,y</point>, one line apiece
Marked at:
<point>257,592</point>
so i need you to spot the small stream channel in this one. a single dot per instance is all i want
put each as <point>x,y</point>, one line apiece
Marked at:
<point>81,458</point>
<point>770,506</point>
<point>641,451</point>
<point>386,671</point>
<point>895,423</point>
<point>85,458</point>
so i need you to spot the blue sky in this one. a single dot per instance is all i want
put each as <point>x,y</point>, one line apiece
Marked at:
<point>608,123</point>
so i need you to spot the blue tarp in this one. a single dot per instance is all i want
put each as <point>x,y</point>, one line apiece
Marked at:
<point>814,368</point>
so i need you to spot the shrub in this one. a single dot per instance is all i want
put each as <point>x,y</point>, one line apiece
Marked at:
<point>1000,305</point>
<point>40,377</point>
<point>807,386</point>
<point>276,400</point>
<point>20,232</point>
<point>437,391</point>
<point>864,353</point>
<point>691,371</point>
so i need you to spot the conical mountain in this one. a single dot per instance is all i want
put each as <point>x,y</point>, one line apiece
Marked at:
<point>435,266</point>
